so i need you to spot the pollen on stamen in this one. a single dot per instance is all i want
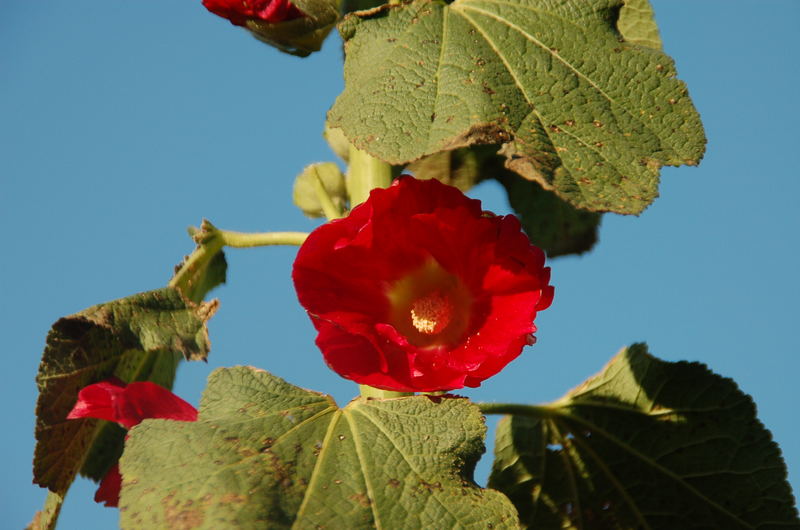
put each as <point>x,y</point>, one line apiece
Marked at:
<point>431,314</point>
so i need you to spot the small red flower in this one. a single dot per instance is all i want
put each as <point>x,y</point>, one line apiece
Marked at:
<point>240,11</point>
<point>127,405</point>
<point>419,290</point>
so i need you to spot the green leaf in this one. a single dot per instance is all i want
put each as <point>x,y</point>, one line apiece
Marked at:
<point>266,454</point>
<point>138,338</point>
<point>580,110</point>
<point>644,444</point>
<point>637,24</point>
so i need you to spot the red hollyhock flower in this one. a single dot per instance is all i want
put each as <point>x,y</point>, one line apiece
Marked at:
<point>420,290</point>
<point>240,11</point>
<point>127,405</point>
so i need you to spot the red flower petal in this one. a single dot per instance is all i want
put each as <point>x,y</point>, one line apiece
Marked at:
<point>128,405</point>
<point>419,290</point>
<point>109,489</point>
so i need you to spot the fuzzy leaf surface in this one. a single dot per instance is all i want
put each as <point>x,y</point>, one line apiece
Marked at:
<point>644,444</point>
<point>138,338</point>
<point>580,110</point>
<point>266,454</point>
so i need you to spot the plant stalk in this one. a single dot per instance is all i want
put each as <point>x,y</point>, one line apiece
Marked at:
<point>372,392</point>
<point>365,173</point>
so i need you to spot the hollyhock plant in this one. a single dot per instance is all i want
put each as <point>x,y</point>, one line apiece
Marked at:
<point>240,11</point>
<point>127,405</point>
<point>420,290</point>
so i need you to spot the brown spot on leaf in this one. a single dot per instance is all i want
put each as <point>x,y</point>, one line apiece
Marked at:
<point>479,134</point>
<point>362,499</point>
<point>181,516</point>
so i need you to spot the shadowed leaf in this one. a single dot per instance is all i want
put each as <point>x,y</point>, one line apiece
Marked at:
<point>644,444</point>
<point>266,454</point>
<point>551,223</point>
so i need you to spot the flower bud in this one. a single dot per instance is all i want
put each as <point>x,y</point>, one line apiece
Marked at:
<point>306,193</point>
<point>298,27</point>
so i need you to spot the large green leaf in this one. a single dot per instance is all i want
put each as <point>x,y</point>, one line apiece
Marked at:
<point>266,454</point>
<point>138,338</point>
<point>644,444</point>
<point>579,109</point>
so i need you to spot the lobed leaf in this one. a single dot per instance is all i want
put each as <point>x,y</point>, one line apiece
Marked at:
<point>138,338</point>
<point>644,444</point>
<point>268,454</point>
<point>580,110</point>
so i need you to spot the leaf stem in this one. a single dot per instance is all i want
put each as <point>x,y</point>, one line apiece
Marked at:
<point>372,392</point>
<point>210,240</point>
<point>534,411</point>
<point>245,240</point>
<point>365,173</point>
<point>47,518</point>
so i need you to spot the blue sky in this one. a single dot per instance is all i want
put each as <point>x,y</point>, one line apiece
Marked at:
<point>120,127</point>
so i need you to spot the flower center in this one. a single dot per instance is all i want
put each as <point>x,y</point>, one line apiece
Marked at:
<point>432,313</point>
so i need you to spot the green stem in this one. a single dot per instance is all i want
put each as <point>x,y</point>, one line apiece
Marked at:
<point>210,240</point>
<point>245,240</point>
<point>365,173</point>
<point>534,411</point>
<point>47,518</point>
<point>372,392</point>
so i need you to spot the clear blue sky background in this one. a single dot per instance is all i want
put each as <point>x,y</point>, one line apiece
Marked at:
<point>121,123</point>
